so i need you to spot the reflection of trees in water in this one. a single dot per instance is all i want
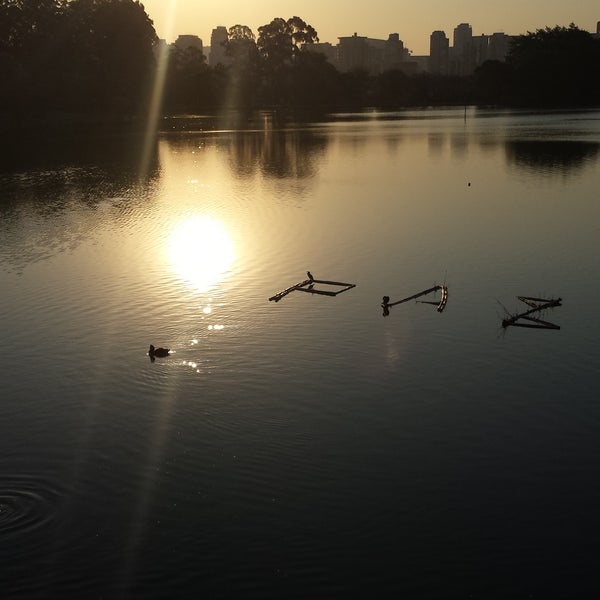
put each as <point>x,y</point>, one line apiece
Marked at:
<point>46,185</point>
<point>277,153</point>
<point>560,157</point>
<point>118,155</point>
<point>278,144</point>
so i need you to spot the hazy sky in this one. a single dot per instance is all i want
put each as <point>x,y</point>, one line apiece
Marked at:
<point>414,20</point>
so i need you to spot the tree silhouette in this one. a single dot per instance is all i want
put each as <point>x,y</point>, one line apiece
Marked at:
<point>240,46</point>
<point>243,71</point>
<point>92,56</point>
<point>30,35</point>
<point>191,85</point>
<point>493,83</point>
<point>556,66</point>
<point>110,43</point>
<point>315,82</point>
<point>95,58</point>
<point>240,32</point>
<point>280,43</point>
<point>280,40</point>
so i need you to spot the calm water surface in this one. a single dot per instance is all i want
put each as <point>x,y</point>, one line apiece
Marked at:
<point>310,448</point>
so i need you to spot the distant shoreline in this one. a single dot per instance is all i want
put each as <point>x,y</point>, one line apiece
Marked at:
<point>74,124</point>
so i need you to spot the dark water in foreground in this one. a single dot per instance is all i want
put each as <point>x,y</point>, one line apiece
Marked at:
<point>309,448</point>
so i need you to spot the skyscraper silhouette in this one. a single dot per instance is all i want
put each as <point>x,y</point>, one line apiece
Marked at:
<point>438,53</point>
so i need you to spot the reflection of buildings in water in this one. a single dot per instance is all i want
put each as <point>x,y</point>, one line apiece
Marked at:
<point>393,143</point>
<point>384,128</point>
<point>435,144</point>
<point>459,143</point>
<point>551,157</point>
<point>355,141</point>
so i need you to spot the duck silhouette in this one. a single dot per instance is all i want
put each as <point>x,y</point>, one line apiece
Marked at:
<point>160,352</point>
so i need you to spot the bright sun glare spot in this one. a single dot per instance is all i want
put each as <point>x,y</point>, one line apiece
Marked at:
<point>207,310</point>
<point>200,251</point>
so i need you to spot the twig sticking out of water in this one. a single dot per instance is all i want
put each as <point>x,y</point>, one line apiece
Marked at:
<point>537,305</point>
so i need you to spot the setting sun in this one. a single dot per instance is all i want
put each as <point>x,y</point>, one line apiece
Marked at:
<point>200,251</point>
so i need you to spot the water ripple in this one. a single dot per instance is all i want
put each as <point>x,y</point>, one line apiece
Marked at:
<point>26,505</point>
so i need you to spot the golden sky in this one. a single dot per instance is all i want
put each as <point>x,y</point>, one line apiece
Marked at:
<point>413,20</point>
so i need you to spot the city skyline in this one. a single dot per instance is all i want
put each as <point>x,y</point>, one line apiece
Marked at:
<point>333,19</point>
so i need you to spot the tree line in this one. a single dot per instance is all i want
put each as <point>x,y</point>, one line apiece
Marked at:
<point>98,57</point>
<point>79,56</point>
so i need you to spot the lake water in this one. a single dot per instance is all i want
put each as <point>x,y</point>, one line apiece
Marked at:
<point>311,447</point>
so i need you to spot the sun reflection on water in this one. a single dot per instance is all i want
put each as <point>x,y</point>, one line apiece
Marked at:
<point>201,251</point>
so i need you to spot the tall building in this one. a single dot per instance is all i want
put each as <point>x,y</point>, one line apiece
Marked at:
<point>189,41</point>
<point>376,50</point>
<point>218,39</point>
<point>373,55</point>
<point>439,46</point>
<point>479,50</point>
<point>326,48</point>
<point>394,53</point>
<point>468,51</point>
<point>499,45</point>
<point>462,50</point>
<point>353,53</point>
